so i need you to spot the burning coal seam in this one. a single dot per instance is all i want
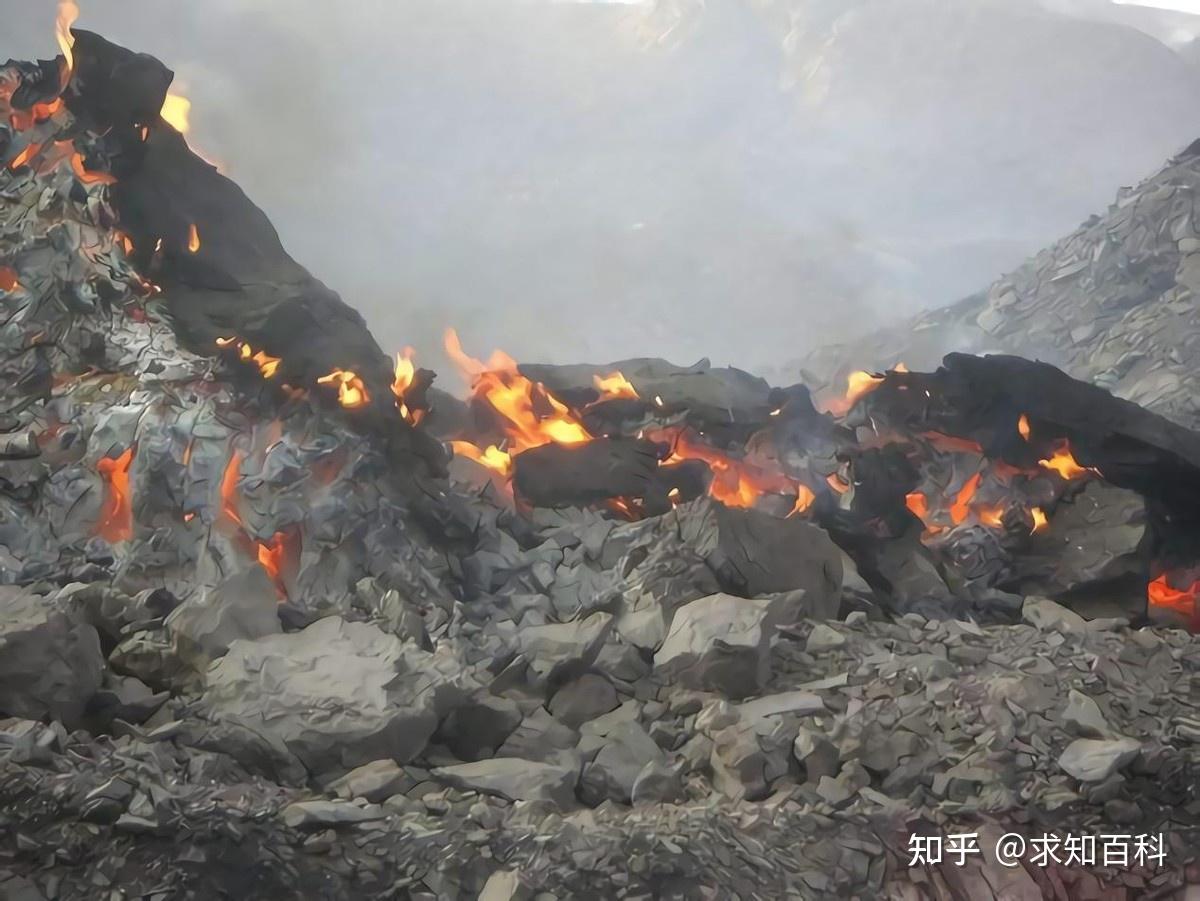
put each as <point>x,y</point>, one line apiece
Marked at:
<point>231,526</point>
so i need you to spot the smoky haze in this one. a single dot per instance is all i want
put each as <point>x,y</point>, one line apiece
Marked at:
<point>738,179</point>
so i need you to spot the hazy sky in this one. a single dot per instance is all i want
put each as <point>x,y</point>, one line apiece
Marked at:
<point>731,178</point>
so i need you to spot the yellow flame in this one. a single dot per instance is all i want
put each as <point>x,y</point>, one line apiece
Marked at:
<point>614,385</point>
<point>193,238</point>
<point>1039,519</point>
<point>175,110</point>
<point>1023,426</point>
<point>68,12</point>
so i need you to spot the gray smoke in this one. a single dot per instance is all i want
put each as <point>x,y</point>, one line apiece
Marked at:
<point>740,179</point>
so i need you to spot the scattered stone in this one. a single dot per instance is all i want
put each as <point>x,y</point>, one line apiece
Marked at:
<point>308,814</point>
<point>375,781</point>
<point>718,643</point>
<point>583,699</point>
<point>1092,760</point>
<point>515,779</point>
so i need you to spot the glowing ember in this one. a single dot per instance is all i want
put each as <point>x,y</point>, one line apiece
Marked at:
<point>229,494</point>
<point>1040,523</point>
<point>614,385</point>
<point>175,110</point>
<point>193,244</point>
<point>492,457</point>
<point>28,153</point>
<point>8,280</point>
<point>736,483</point>
<point>68,12</point>
<point>352,393</point>
<point>89,178</point>
<point>918,504</point>
<point>1023,426</point>
<point>1062,462</point>
<point>1160,594</point>
<point>116,514</point>
<point>273,556</point>
<point>962,503</point>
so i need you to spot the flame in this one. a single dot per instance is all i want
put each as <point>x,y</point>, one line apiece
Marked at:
<point>736,483</point>
<point>175,110</point>
<point>193,244</point>
<point>8,280</point>
<point>89,178</point>
<point>859,384</point>
<point>491,457</point>
<point>1023,426</point>
<point>614,385</point>
<point>116,514</point>
<point>267,364</point>
<point>68,12</point>
<point>1062,462</point>
<point>229,495</point>
<point>1161,594</point>
<point>1040,522</point>
<point>962,503</point>
<point>531,415</point>
<point>991,516</point>
<point>39,112</point>
<point>406,372</point>
<point>26,154</point>
<point>272,555</point>
<point>834,481</point>
<point>352,393</point>
<point>804,499</point>
<point>918,504</point>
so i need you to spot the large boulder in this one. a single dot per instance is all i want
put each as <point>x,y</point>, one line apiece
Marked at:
<point>515,779</point>
<point>719,643</point>
<point>50,665</point>
<point>243,606</point>
<point>337,694</point>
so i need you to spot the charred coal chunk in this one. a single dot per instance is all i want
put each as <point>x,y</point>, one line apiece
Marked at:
<point>559,475</point>
<point>114,87</point>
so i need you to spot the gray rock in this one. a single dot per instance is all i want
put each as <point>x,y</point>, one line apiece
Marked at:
<point>561,650</point>
<point>375,781</point>
<point>583,699</point>
<point>243,606</point>
<point>539,737</point>
<point>748,757</point>
<point>824,638</point>
<point>719,643</point>
<point>50,666</point>
<point>816,753</point>
<point>1084,715</point>
<point>477,728</point>
<point>308,814</point>
<point>1092,760</point>
<point>621,759</point>
<point>504,885</point>
<point>123,698</point>
<point>657,783</point>
<point>800,703</point>
<point>336,694</point>
<point>515,779</point>
<point>1049,616</point>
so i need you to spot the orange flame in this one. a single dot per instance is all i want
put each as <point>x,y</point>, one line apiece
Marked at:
<point>992,516</point>
<point>116,515</point>
<point>68,12</point>
<point>193,244</point>
<point>1023,426</point>
<point>859,384</point>
<point>405,375</point>
<point>39,112</point>
<point>272,556</point>
<point>89,178</point>
<point>175,110</point>
<point>26,154</point>
<point>1040,522</point>
<point>352,393</point>
<point>737,483</point>
<point>229,495</point>
<point>492,457</point>
<point>918,504</point>
<point>1062,462</point>
<point>804,499</point>
<point>614,385</point>
<point>531,415</point>
<point>8,280</point>
<point>267,364</point>
<point>1162,595</point>
<point>962,503</point>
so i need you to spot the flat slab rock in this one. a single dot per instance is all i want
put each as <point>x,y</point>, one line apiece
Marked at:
<point>337,694</point>
<point>515,779</point>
